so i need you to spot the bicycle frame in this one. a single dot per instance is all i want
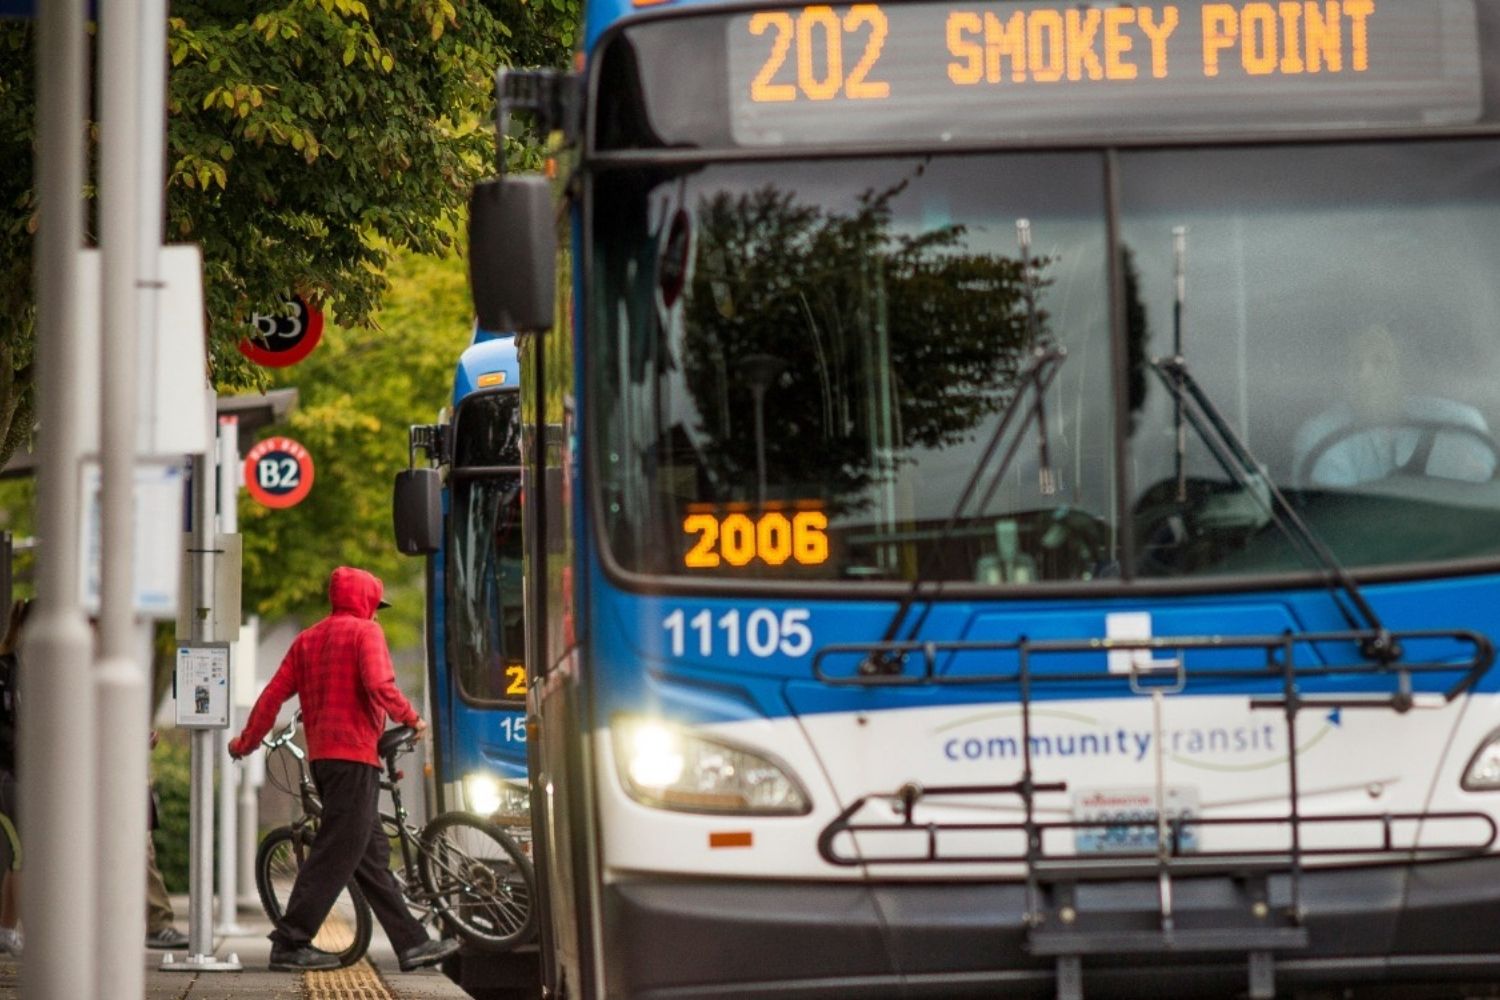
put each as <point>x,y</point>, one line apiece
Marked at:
<point>307,790</point>
<point>397,825</point>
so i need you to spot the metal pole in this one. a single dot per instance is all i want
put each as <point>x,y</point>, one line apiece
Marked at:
<point>200,848</point>
<point>201,539</point>
<point>201,778</point>
<point>237,884</point>
<point>121,723</point>
<point>229,772</point>
<point>58,822</point>
<point>1179,303</point>
<point>759,393</point>
<point>252,769</point>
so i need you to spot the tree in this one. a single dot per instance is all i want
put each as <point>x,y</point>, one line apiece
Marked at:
<point>307,142</point>
<point>815,289</point>
<point>17,225</point>
<point>359,392</point>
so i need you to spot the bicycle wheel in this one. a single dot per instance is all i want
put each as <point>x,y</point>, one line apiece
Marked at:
<point>345,931</point>
<point>480,882</point>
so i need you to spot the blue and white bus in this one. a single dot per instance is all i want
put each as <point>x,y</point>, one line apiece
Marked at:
<point>476,675</point>
<point>1010,496</point>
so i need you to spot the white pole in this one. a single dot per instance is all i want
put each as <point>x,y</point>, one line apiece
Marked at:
<point>201,767</point>
<point>57,738</point>
<point>201,764</point>
<point>252,769</point>
<point>122,771</point>
<point>229,772</point>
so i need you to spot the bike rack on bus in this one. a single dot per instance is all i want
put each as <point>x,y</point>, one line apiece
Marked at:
<point>1057,927</point>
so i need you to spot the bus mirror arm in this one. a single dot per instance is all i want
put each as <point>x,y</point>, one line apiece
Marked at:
<point>432,439</point>
<point>553,98</point>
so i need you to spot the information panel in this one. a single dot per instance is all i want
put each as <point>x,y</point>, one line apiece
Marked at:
<point>202,685</point>
<point>970,71</point>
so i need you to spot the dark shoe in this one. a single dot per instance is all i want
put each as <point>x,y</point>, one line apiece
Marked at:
<point>301,960</point>
<point>167,937</point>
<point>427,953</point>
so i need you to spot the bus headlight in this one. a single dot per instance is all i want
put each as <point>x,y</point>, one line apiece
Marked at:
<point>487,795</point>
<point>666,766</point>
<point>1483,772</point>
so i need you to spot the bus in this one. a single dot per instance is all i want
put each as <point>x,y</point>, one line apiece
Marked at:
<point>1010,497</point>
<point>475,644</point>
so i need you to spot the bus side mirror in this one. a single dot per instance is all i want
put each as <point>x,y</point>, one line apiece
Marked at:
<point>418,511</point>
<point>513,253</point>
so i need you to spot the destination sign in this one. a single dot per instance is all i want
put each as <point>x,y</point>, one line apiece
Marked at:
<point>969,71</point>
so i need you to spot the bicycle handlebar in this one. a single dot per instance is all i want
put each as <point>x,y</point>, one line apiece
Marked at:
<point>394,742</point>
<point>284,738</point>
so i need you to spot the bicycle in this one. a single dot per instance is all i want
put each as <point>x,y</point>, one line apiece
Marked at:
<point>460,869</point>
<point>347,928</point>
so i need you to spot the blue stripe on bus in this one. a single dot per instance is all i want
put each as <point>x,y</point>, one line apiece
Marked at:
<point>638,671</point>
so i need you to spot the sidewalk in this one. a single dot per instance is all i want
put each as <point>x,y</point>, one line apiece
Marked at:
<point>376,977</point>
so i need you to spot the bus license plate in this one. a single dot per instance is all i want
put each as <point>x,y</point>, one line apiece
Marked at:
<point>1123,820</point>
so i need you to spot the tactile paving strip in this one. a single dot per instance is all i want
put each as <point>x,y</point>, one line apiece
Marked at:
<point>359,981</point>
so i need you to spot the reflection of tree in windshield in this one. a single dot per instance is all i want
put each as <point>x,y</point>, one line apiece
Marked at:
<point>860,341</point>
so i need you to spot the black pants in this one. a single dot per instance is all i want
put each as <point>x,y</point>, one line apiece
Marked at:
<point>350,845</point>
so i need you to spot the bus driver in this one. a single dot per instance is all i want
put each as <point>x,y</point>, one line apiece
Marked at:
<point>1381,430</point>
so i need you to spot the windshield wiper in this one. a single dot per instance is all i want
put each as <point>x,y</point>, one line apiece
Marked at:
<point>1037,376</point>
<point>1241,465</point>
<point>1046,359</point>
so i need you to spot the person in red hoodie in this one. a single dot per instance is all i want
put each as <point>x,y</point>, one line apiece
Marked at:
<point>340,671</point>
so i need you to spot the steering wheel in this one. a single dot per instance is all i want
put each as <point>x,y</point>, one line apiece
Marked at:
<point>1476,460</point>
<point>1062,543</point>
<point>1077,533</point>
<point>1179,537</point>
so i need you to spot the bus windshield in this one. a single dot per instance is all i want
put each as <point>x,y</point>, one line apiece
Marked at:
<point>797,367</point>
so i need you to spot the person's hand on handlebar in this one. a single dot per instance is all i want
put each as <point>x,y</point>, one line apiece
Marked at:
<point>238,750</point>
<point>420,725</point>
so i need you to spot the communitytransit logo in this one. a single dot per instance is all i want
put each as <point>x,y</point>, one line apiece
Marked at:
<point>1093,739</point>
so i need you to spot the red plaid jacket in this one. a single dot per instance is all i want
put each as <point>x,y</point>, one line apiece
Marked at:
<point>340,671</point>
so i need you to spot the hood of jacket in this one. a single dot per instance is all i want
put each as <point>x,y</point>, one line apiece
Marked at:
<point>354,591</point>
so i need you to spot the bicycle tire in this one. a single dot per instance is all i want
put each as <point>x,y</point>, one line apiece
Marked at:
<point>11,844</point>
<point>481,883</point>
<point>346,931</point>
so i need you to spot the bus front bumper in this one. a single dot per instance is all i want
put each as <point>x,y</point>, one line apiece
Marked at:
<point>671,938</point>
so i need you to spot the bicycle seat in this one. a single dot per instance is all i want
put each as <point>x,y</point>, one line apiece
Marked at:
<point>395,742</point>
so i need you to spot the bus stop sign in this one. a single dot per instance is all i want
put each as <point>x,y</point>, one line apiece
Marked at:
<point>282,339</point>
<point>278,472</point>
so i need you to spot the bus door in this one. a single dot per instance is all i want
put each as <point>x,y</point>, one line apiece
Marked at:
<point>482,696</point>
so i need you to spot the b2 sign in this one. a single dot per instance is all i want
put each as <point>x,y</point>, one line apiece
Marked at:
<point>282,339</point>
<point>278,472</point>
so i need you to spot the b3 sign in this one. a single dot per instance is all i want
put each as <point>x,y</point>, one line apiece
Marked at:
<point>282,340</point>
<point>278,472</point>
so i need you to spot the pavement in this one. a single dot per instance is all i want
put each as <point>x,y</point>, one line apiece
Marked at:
<point>375,977</point>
